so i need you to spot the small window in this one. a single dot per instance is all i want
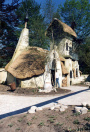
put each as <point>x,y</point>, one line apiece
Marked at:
<point>67,46</point>
<point>70,74</point>
<point>77,72</point>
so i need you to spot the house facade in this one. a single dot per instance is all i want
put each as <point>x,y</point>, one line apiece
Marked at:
<point>35,67</point>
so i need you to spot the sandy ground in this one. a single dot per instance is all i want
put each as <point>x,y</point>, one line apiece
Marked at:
<point>14,104</point>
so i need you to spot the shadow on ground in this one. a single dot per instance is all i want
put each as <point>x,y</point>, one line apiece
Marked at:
<point>41,104</point>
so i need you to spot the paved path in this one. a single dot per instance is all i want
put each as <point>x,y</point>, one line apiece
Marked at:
<point>13,104</point>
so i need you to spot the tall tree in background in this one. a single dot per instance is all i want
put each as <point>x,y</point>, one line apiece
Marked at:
<point>8,20</point>
<point>35,24</point>
<point>77,14</point>
<point>49,11</point>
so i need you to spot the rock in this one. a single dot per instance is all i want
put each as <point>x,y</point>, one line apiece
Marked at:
<point>39,108</point>
<point>57,106</point>
<point>52,108</point>
<point>62,109</point>
<point>32,109</point>
<point>77,109</point>
<point>56,109</point>
<point>64,106</point>
<point>83,110</point>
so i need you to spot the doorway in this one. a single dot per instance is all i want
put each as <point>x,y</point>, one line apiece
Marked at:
<point>53,77</point>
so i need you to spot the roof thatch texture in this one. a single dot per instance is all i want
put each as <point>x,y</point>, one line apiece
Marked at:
<point>31,62</point>
<point>64,70</point>
<point>62,58</point>
<point>57,24</point>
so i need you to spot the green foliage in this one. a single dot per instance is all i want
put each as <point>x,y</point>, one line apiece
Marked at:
<point>77,11</point>
<point>29,123</point>
<point>10,125</point>
<point>19,120</point>
<point>87,118</point>
<point>76,114</point>
<point>84,58</point>
<point>41,124</point>
<point>35,24</point>
<point>76,122</point>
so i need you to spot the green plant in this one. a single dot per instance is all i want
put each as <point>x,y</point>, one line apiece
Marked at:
<point>51,120</point>
<point>19,120</point>
<point>76,114</point>
<point>52,116</point>
<point>87,118</point>
<point>58,124</point>
<point>76,122</point>
<point>24,115</point>
<point>10,125</point>
<point>41,124</point>
<point>34,118</point>
<point>29,123</point>
<point>18,129</point>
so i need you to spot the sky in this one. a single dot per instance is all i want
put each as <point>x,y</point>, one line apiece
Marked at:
<point>57,2</point>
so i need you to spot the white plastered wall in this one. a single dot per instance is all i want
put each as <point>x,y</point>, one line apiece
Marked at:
<point>3,75</point>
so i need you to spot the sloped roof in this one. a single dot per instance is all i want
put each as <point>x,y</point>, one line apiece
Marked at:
<point>64,70</point>
<point>61,26</point>
<point>62,58</point>
<point>31,62</point>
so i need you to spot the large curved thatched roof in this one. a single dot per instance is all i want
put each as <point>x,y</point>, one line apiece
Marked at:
<point>31,62</point>
<point>57,24</point>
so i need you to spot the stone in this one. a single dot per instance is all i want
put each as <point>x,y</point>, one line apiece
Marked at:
<point>57,106</point>
<point>39,109</point>
<point>77,109</point>
<point>52,108</point>
<point>56,109</point>
<point>83,110</point>
<point>32,109</point>
<point>64,106</point>
<point>62,109</point>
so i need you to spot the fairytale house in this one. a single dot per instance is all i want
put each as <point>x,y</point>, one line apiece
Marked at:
<point>34,66</point>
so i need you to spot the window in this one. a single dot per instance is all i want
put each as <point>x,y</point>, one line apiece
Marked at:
<point>70,74</point>
<point>67,46</point>
<point>77,72</point>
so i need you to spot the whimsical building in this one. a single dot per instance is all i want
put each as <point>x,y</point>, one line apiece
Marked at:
<point>34,66</point>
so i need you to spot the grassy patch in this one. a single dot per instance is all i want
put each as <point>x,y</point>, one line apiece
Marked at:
<point>10,125</point>
<point>20,119</point>
<point>29,123</point>
<point>76,122</point>
<point>87,118</point>
<point>76,114</point>
<point>18,129</point>
<point>41,124</point>
<point>34,118</point>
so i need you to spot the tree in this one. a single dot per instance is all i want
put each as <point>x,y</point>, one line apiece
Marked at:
<point>35,24</point>
<point>8,20</point>
<point>76,14</point>
<point>84,57</point>
<point>48,10</point>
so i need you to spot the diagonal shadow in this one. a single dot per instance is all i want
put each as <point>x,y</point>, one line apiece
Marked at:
<point>41,104</point>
